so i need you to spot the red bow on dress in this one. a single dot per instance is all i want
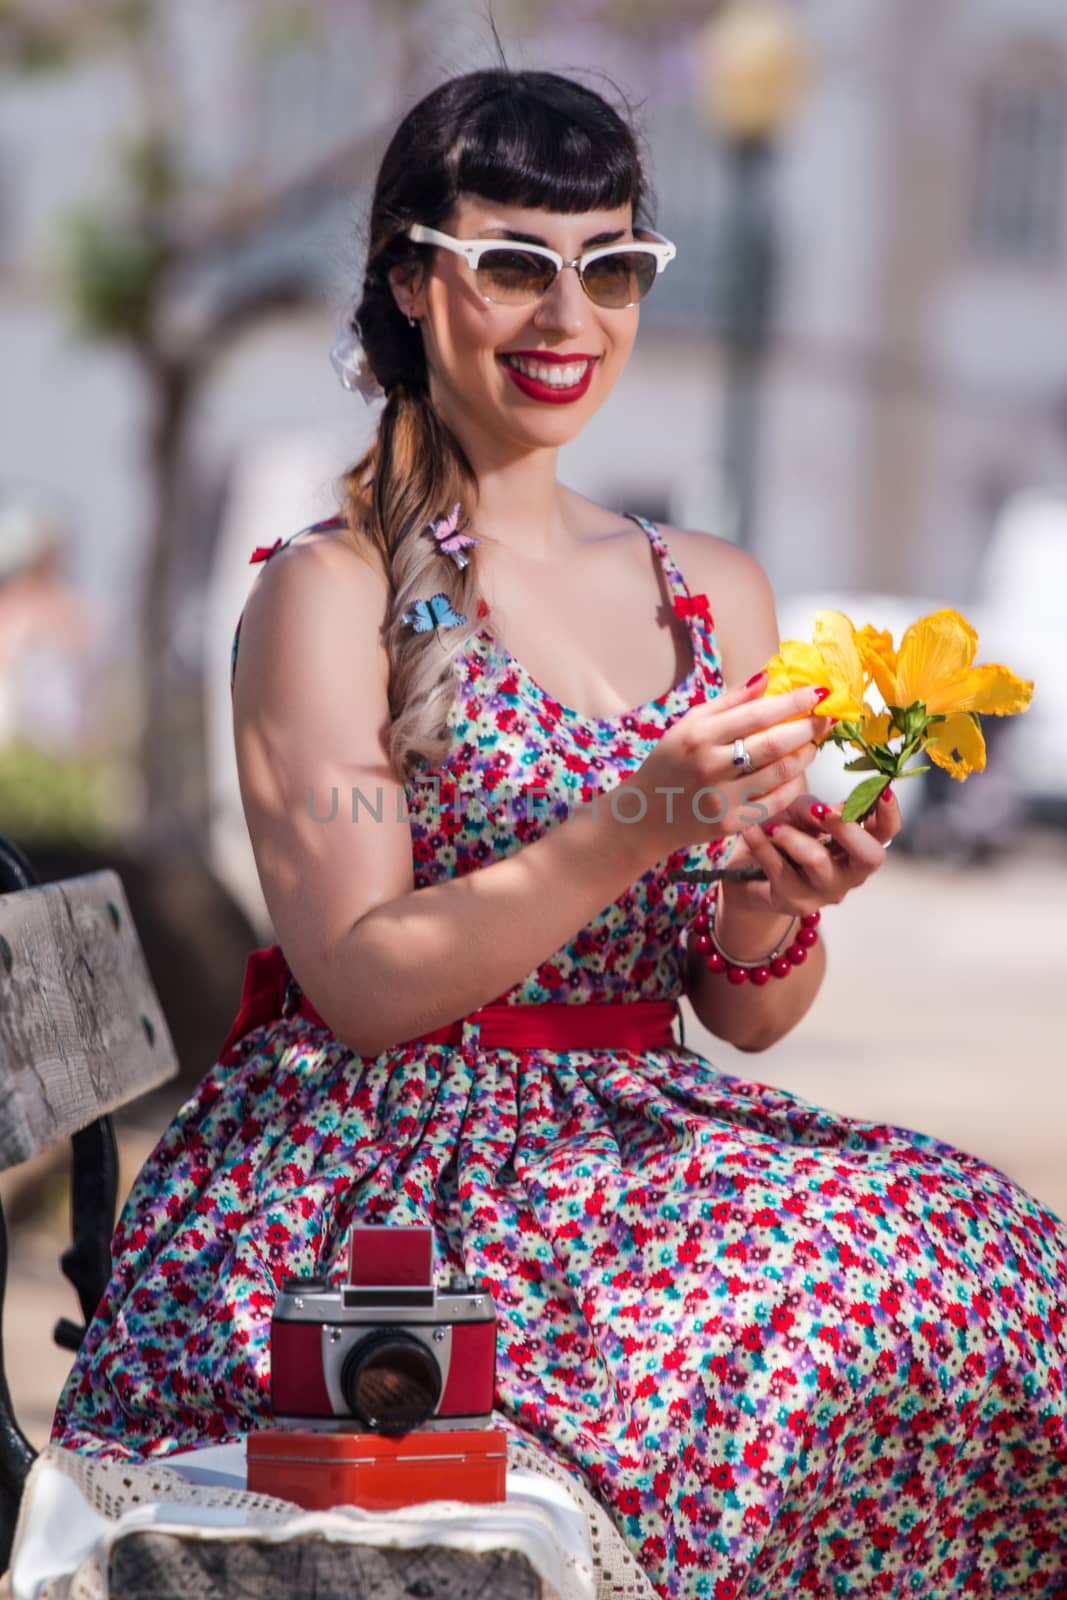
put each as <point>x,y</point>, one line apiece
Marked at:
<point>695,605</point>
<point>263,552</point>
<point>262,994</point>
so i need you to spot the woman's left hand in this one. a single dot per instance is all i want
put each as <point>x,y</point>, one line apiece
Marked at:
<point>803,875</point>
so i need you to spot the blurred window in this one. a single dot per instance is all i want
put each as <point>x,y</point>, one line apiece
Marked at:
<point>1021,180</point>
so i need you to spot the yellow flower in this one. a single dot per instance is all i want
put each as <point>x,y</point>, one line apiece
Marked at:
<point>957,744</point>
<point>835,639</point>
<point>879,659</point>
<point>935,664</point>
<point>876,729</point>
<point>832,660</point>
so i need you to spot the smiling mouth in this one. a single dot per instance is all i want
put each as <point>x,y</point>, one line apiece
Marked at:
<point>556,375</point>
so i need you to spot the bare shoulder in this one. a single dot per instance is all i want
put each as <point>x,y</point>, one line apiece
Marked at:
<point>317,577</point>
<point>714,565</point>
<point>312,626</point>
<point>739,594</point>
<point>326,555</point>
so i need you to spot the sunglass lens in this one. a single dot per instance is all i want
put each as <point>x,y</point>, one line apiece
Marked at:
<point>513,277</point>
<point>620,279</point>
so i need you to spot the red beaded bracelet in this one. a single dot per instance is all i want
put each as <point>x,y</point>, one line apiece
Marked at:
<point>786,955</point>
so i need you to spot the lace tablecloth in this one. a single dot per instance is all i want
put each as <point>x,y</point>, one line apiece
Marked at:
<point>77,1507</point>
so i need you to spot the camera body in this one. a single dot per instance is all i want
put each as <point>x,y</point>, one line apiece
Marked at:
<point>388,1351</point>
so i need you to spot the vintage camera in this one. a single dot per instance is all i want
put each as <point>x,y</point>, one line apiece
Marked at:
<point>388,1351</point>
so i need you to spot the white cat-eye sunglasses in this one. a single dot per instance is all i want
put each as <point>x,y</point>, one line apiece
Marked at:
<point>613,275</point>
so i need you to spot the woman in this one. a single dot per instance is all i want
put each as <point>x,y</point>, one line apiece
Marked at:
<point>789,1350</point>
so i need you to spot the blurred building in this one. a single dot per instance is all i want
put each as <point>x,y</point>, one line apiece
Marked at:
<point>919,378</point>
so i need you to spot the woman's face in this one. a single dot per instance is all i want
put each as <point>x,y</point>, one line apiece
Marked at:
<point>471,344</point>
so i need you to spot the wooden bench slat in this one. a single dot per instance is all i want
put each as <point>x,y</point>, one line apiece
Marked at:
<point>81,1027</point>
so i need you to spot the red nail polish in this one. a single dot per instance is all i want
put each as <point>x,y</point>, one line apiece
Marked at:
<point>819,811</point>
<point>769,828</point>
<point>887,794</point>
<point>821,695</point>
<point>755,678</point>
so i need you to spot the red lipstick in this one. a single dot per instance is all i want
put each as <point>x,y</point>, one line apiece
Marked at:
<point>537,390</point>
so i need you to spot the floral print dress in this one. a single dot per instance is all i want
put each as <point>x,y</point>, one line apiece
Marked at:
<point>791,1352</point>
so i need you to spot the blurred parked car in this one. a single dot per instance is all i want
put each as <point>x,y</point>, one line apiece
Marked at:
<point>1019,618</point>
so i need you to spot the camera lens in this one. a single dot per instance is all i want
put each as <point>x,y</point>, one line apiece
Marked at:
<point>391,1381</point>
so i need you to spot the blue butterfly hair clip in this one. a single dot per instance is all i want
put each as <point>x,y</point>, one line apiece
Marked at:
<point>449,542</point>
<point>433,613</point>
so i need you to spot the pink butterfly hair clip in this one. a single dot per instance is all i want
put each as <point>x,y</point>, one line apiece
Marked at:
<point>449,542</point>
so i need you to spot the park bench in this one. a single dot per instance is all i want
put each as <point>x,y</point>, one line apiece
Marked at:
<point>82,1033</point>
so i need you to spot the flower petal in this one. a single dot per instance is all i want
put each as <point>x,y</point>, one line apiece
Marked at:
<point>796,664</point>
<point>990,688</point>
<point>876,728</point>
<point>935,650</point>
<point>835,638</point>
<point>957,745</point>
<point>879,660</point>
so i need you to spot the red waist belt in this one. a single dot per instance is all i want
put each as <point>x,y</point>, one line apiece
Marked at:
<point>620,1025</point>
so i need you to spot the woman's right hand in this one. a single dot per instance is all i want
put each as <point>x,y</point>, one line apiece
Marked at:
<point>696,754</point>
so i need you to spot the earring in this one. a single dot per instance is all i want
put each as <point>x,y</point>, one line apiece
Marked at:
<point>411,321</point>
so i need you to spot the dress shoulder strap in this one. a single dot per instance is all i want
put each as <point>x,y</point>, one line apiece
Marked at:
<point>659,544</point>
<point>675,578</point>
<point>263,553</point>
<point>695,609</point>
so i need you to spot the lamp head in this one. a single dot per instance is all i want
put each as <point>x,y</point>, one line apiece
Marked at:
<point>752,69</point>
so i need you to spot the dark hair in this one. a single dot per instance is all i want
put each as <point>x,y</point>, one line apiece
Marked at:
<point>533,139</point>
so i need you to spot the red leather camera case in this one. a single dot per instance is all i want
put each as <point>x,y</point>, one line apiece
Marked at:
<point>319,1470</point>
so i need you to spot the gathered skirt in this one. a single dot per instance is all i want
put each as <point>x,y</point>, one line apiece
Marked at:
<point>791,1352</point>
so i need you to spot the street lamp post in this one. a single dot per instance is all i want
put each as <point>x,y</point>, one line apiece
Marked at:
<point>752,69</point>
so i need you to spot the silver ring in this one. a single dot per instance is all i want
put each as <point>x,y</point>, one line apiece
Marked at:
<point>741,757</point>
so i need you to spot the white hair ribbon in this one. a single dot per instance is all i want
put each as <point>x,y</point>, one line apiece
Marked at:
<point>350,363</point>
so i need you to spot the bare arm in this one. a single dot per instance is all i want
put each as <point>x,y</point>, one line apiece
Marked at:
<point>380,961</point>
<point>746,626</point>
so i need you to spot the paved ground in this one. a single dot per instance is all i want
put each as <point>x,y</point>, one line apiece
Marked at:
<point>944,1009</point>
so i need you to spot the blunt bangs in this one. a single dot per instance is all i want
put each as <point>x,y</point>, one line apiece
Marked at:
<point>548,147</point>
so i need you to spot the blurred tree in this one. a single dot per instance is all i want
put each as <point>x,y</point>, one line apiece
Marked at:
<point>133,269</point>
<point>48,798</point>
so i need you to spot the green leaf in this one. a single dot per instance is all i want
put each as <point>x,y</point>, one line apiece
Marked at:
<point>112,271</point>
<point>153,170</point>
<point>862,764</point>
<point>862,798</point>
